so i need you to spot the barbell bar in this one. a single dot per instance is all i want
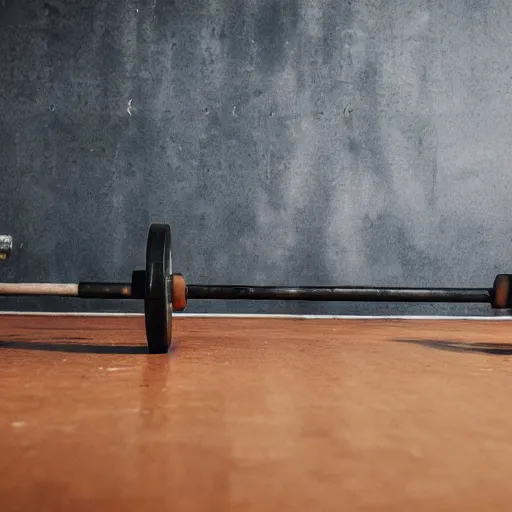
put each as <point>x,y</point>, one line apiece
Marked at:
<point>164,292</point>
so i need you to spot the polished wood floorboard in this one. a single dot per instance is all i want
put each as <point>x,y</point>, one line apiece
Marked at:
<point>255,414</point>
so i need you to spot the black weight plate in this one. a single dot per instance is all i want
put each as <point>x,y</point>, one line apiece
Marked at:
<point>158,299</point>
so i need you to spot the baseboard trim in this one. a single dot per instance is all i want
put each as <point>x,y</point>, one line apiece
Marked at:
<point>262,316</point>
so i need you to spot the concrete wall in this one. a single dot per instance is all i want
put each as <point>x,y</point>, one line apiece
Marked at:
<point>286,142</point>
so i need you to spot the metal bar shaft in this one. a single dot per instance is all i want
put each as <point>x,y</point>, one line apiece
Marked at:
<point>348,294</point>
<point>81,290</point>
<point>105,291</point>
<point>212,292</point>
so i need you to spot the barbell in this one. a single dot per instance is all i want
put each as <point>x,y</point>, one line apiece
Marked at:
<point>165,291</point>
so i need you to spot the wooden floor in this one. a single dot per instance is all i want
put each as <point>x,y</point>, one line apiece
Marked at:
<point>255,414</point>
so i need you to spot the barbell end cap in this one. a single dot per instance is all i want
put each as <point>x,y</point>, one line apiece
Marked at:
<point>501,292</point>
<point>179,292</point>
<point>5,247</point>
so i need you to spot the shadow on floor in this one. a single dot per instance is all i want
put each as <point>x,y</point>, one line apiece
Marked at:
<point>503,349</point>
<point>87,348</point>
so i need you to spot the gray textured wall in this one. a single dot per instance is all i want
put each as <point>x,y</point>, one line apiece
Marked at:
<point>285,141</point>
